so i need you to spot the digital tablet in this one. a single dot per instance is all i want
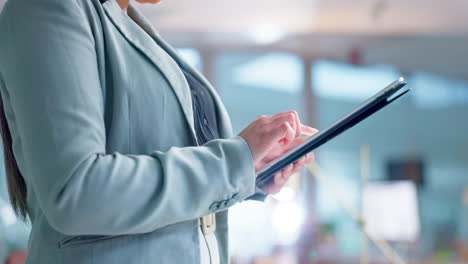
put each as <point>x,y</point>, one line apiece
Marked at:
<point>383,98</point>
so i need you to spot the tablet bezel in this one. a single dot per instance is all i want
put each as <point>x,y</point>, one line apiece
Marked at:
<point>364,110</point>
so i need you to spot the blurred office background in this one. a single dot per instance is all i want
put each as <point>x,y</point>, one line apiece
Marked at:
<point>404,170</point>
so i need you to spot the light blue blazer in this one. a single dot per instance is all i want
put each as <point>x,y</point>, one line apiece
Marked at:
<point>101,120</point>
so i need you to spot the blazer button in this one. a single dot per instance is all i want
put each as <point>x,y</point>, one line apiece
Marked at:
<point>231,202</point>
<point>234,196</point>
<point>214,206</point>
<point>224,204</point>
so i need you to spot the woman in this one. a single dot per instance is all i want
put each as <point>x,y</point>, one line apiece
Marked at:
<point>114,146</point>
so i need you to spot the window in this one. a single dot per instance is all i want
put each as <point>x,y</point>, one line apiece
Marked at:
<point>252,84</point>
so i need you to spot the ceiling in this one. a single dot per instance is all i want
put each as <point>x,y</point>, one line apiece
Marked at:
<point>306,16</point>
<point>415,35</point>
<point>311,16</point>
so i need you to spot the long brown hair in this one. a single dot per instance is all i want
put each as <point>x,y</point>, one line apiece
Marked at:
<point>16,185</point>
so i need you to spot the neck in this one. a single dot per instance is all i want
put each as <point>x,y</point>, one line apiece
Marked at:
<point>123,4</point>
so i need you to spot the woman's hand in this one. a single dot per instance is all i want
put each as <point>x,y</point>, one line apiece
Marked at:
<point>283,176</point>
<point>270,137</point>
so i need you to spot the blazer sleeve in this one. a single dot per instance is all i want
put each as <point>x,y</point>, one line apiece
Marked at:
<point>57,120</point>
<point>259,195</point>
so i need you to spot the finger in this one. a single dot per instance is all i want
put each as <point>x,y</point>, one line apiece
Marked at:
<point>298,124</point>
<point>310,157</point>
<point>293,144</point>
<point>283,113</point>
<point>279,133</point>
<point>282,177</point>
<point>279,150</point>
<point>287,117</point>
<point>299,164</point>
<point>278,178</point>
<point>308,131</point>
<point>290,133</point>
<point>275,188</point>
<point>299,128</point>
<point>283,131</point>
<point>287,173</point>
<point>295,119</point>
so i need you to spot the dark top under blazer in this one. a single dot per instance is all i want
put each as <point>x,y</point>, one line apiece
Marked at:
<point>204,111</point>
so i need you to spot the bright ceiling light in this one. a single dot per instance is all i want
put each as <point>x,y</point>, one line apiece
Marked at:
<point>267,33</point>
<point>287,220</point>
<point>285,195</point>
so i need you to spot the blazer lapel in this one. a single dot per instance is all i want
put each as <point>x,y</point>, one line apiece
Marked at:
<point>224,122</point>
<point>134,33</point>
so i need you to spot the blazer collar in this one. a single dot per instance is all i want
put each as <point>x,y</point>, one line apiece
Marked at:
<point>170,67</point>
<point>224,122</point>
<point>133,27</point>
